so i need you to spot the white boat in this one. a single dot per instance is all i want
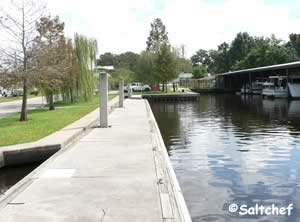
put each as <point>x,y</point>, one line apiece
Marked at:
<point>275,87</point>
<point>256,88</point>
<point>294,86</point>
<point>294,90</point>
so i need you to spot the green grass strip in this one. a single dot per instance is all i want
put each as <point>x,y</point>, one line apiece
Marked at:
<point>43,122</point>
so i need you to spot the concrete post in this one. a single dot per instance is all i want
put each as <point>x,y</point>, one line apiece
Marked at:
<point>103,100</point>
<point>121,93</point>
<point>129,91</point>
<point>250,82</point>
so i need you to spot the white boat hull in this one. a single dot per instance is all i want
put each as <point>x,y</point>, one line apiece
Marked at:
<point>275,93</point>
<point>257,91</point>
<point>294,90</point>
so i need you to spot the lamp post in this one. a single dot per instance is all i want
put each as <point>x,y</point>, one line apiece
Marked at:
<point>103,94</point>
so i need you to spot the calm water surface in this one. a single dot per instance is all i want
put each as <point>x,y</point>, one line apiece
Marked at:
<point>10,176</point>
<point>233,149</point>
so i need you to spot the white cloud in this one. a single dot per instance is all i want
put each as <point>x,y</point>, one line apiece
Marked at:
<point>121,25</point>
<point>113,23</point>
<point>202,25</point>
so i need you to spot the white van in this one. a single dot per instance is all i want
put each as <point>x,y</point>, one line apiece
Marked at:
<point>137,86</point>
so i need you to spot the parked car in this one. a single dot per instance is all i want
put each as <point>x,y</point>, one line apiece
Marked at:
<point>137,86</point>
<point>11,92</point>
<point>5,93</point>
<point>17,92</point>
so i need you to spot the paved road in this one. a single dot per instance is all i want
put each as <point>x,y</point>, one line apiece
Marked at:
<point>15,106</point>
<point>33,103</point>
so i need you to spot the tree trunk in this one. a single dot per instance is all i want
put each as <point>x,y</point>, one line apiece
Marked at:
<point>163,86</point>
<point>23,116</point>
<point>51,102</point>
<point>166,87</point>
<point>71,95</point>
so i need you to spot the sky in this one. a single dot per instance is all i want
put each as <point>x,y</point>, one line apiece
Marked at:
<point>124,25</point>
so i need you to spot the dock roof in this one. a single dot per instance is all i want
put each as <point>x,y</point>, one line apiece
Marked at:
<point>264,68</point>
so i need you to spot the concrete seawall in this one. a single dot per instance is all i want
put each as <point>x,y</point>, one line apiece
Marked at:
<point>191,96</point>
<point>121,173</point>
<point>42,149</point>
<point>169,188</point>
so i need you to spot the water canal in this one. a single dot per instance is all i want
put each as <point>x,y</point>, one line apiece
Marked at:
<point>9,176</point>
<point>229,149</point>
<point>226,149</point>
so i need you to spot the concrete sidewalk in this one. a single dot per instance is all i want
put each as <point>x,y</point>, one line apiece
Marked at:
<point>112,174</point>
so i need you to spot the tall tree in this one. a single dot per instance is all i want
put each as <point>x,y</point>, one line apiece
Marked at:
<point>267,51</point>
<point>240,47</point>
<point>146,69</point>
<point>52,56</point>
<point>125,64</point>
<point>158,36</point>
<point>246,51</point>
<point>221,59</point>
<point>108,59</point>
<point>294,43</point>
<point>18,21</point>
<point>128,60</point>
<point>199,72</point>
<point>201,57</point>
<point>166,64</point>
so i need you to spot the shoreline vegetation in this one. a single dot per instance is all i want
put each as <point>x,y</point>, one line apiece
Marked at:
<point>42,123</point>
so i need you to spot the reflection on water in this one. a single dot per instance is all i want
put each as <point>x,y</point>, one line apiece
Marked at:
<point>230,149</point>
<point>10,176</point>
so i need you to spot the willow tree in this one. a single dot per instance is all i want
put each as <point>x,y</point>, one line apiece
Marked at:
<point>69,90</point>
<point>85,51</point>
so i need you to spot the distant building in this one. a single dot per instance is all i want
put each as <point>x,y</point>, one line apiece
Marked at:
<point>183,78</point>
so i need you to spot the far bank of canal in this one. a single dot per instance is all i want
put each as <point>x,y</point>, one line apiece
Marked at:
<point>232,149</point>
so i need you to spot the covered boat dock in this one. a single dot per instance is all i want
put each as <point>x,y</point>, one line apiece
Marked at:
<point>234,81</point>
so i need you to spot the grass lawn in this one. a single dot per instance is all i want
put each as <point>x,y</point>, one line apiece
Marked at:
<point>43,122</point>
<point>12,98</point>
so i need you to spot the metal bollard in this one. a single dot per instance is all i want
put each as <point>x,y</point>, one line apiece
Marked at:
<point>103,100</point>
<point>129,90</point>
<point>121,93</point>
